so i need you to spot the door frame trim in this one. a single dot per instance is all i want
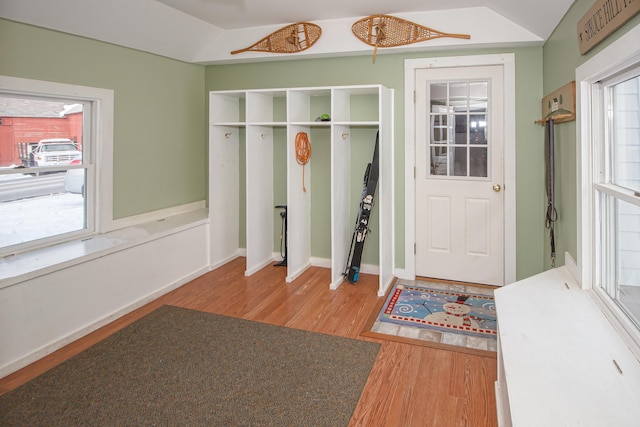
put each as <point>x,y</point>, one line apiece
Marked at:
<point>507,61</point>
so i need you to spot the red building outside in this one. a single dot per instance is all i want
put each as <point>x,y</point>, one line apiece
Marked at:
<point>29,121</point>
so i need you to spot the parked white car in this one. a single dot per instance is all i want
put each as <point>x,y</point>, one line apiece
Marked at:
<point>55,152</point>
<point>74,179</point>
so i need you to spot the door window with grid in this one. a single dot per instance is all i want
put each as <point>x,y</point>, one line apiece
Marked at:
<point>459,129</point>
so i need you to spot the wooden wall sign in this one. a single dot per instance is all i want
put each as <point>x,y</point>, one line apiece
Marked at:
<point>604,17</point>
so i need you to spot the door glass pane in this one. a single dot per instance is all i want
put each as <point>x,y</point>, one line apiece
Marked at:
<point>462,128</point>
<point>439,160</point>
<point>439,129</point>
<point>478,162</point>
<point>439,96</point>
<point>478,129</point>
<point>459,97</point>
<point>625,134</point>
<point>460,161</point>
<point>478,97</point>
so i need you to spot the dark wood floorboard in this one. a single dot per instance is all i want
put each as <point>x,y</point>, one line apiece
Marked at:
<point>410,385</point>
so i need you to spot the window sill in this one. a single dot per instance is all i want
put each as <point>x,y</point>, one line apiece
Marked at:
<point>28,265</point>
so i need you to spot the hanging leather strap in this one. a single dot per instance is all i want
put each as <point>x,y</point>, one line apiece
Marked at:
<point>549,160</point>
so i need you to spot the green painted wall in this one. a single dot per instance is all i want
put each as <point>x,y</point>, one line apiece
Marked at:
<point>160,120</point>
<point>159,130</point>
<point>561,57</point>
<point>389,71</point>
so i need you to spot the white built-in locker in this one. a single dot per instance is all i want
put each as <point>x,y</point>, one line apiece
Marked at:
<point>244,122</point>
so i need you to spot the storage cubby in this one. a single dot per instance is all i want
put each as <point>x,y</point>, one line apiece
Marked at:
<point>227,108</point>
<point>266,108</point>
<point>253,167</point>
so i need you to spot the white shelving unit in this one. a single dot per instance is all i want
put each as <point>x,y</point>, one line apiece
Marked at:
<point>249,117</point>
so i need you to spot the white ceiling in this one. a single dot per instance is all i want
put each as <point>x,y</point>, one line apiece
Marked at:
<point>205,31</point>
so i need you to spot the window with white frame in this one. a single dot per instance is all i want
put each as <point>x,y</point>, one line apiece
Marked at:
<point>617,194</point>
<point>609,148</point>
<point>50,139</point>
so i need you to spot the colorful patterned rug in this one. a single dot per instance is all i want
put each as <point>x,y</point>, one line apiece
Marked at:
<point>443,310</point>
<point>432,313</point>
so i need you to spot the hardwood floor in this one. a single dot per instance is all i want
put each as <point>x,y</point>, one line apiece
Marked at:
<point>409,385</point>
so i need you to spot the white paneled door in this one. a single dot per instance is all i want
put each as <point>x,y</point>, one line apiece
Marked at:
<point>459,174</point>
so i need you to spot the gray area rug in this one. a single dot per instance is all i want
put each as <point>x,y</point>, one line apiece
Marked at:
<point>183,367</point>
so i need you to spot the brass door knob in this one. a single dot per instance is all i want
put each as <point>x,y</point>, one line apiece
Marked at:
<point>496,187</point>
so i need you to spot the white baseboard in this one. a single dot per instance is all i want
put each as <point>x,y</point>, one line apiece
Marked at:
<point>293,276</point>
<point>370,269</point>
<point>320,262</point>
<point>253,270</point>
<point>224,261</point>
<point>335,285</point>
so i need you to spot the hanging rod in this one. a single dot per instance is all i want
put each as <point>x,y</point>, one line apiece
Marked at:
<point>559,118</point>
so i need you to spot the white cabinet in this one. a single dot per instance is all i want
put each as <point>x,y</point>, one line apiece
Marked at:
<point>246,125</point>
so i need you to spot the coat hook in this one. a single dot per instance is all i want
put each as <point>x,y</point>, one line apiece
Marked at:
<point>227,135</point>
<point>345,135</point>
<point>263,136</point>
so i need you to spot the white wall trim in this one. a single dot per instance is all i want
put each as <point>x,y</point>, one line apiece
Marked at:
<point>411,66</point>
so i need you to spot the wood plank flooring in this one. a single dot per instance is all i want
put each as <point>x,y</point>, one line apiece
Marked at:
<point>410,385</point>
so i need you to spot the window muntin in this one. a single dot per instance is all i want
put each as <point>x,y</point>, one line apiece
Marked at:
<point>45,170</point>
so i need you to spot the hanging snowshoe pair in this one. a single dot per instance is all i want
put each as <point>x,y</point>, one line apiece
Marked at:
<point>375,30</point>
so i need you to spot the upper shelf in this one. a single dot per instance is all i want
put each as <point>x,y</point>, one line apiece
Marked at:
<point>345,105</point>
